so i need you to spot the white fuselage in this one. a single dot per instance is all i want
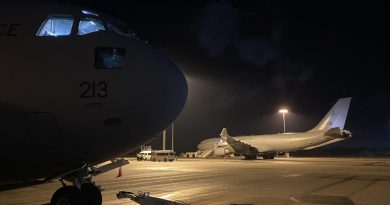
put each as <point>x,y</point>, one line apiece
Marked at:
<point>285,142</point>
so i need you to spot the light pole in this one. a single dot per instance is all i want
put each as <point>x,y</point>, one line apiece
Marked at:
<point>173,129</point>
<point>164,138</point>
<point>283,111</point>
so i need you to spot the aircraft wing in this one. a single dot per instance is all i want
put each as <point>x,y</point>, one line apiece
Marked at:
<point>326,143</point>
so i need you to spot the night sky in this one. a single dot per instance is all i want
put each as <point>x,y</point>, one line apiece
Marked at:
<point>246,59</point>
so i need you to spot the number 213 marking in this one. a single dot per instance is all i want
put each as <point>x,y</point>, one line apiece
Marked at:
<point>94,89</point>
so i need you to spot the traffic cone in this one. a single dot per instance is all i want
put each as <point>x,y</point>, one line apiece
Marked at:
<point>119,172</point>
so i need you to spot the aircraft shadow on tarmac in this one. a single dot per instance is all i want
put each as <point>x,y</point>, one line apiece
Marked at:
<point>323,199</point>
<point>152,201</point>
<point>143,198</point>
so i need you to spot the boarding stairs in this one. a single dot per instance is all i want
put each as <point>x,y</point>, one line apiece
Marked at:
<point>208,152</point>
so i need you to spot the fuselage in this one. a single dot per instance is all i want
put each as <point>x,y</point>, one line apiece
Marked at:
<point>60,110</point>
<point>285,142</point>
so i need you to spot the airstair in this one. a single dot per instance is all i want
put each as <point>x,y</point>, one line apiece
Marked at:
<point>208,152</point>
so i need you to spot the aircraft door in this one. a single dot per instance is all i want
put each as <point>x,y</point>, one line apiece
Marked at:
<point>43,130</point>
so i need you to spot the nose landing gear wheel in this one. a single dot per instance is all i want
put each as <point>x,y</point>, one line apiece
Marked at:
<point>67,195</point>
<point>91,193</point>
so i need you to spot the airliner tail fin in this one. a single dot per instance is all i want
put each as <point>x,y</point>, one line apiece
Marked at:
<point>336,116</point>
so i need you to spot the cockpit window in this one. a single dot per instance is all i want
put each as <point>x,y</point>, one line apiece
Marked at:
<point>88,25</point>
<point>109,58</point>
<point>56,26</point>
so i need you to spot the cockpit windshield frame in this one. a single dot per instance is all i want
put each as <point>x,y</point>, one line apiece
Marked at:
<point>107,24</point>
<point>90,25</point>
<point>52,17</point>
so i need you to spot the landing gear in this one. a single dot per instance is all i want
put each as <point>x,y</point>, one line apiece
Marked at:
<point>269,156</point>
<point>71,195</point>
<point>91,193</point>
<point>67,195</point>
<point>83,190</point>
<point>250,157</point>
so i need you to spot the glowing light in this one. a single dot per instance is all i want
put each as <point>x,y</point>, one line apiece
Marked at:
<point>283,111</point>
<point>89,13</point>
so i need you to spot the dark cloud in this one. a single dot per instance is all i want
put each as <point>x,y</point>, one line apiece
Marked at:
<point>218,30</point>
<point>291,74</point>
<point>218,24</point>
<point>257,51</point>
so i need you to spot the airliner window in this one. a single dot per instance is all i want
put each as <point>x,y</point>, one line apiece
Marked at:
<point>88,25</point>
<point>56,26</point>
<point>109,58</point>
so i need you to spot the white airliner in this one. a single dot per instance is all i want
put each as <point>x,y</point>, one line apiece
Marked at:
<point>77,88</point>
<point>329,130</point>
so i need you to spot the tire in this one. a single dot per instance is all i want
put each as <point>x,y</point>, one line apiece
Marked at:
<point>165,159</point>
<point>91,193</point>
<point>269,156</point>
<point>67,195</point>
<point>250,157</point>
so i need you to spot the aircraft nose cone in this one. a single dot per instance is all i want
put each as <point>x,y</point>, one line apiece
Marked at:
<point>160,91</point>
<point>174,89</point>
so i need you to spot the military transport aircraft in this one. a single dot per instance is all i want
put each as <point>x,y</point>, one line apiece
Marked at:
<point>77,88</point>
<point>329,130</point>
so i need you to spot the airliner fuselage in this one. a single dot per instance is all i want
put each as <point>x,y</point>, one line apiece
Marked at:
<point>285,142</point>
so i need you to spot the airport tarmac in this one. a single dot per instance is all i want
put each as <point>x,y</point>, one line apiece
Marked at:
<point>333,181</point>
